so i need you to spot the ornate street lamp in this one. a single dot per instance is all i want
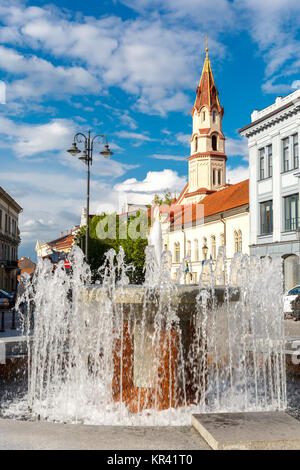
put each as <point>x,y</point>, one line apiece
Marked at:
<point>87,158</point>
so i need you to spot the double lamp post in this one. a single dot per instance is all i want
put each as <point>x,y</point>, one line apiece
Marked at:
<point>87,157</point>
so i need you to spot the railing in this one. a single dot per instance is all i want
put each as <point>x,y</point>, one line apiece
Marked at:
<point>292,224</point>
<point>266,229</point>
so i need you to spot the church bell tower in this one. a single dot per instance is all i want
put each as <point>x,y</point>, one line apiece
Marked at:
<point>207,161</point>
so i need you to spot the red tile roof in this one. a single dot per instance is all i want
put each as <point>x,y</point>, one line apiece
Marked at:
<point>232,196</point>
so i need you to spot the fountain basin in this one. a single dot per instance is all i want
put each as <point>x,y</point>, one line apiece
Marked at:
<point>152,351</point>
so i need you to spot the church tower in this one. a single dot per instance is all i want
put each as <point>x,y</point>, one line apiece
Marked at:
<point>207,161</point>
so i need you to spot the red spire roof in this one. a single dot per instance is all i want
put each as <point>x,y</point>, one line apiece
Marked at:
<point>207,93</point>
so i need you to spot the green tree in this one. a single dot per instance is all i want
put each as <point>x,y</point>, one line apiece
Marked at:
<point>116,228</point>
<point>164,200</point>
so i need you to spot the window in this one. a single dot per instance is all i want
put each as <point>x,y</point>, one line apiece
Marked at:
<point>270,161</point>
<point>189,249</point>
<point>295,151</point>
<point>261,164</point>
<point>196,144</point>
<point>214,177</point>
<point>285,154</point>
<point>0,219</point>
<point>266,217</point>
<point>219,177</point>
<point>291,212</point>
<point>236,243</point>
<point>214,115</point>
<point>6,222</point>
<point>177,252</point>
<point>196,250</point>
<point>240,242</point>
<point>222,239</point>
<point>214,142</point>
<point>203,116</point>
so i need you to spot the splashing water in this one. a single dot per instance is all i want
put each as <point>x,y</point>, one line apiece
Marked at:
<point>115,353</point>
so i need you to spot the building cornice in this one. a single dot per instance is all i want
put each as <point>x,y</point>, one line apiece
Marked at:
<point>10,201</point>
<point>204,155</point>
<point>270,119</point>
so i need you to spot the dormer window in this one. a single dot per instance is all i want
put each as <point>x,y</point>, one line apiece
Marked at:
<point>214,142</point>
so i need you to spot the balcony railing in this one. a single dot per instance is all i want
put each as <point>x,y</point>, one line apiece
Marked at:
<point>266,229</point>
<point>292,224</point>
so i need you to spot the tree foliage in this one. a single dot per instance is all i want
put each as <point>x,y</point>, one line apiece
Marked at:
<point>114,230</point>
<point>165,200</point>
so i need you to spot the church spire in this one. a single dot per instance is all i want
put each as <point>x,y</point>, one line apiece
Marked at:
<point>207,93</point>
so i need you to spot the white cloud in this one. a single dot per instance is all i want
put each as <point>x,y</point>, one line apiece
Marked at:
<point>183,138</point>
<point>41,78</point>
<point>237,174</point>
<point>168,157</point>
<point>237,147</point>
<point>146,57</point>
<point>134,136</point>
<point>28,140</point>
<point>155,181</point>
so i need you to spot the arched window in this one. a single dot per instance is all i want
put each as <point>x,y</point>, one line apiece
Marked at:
<point>236,242</point>
<point>196,250</point>
<point>291,271</point>
<point>177,252</point>
<point>213,247</point>
<point>214,142</point>
<point>196,144</point>
<point>214,116</point>
<point>189,249</point>
<point>203,116</point>
<point>240,242</point>
<point>219,177</point>
<point>214,177</point>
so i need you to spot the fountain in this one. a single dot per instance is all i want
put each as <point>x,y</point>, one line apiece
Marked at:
<point>153,354</point>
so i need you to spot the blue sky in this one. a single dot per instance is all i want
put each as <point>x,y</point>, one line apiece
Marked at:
<point>128,69</point>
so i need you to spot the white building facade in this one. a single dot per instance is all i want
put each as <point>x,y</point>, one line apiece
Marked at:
<point>273,141</point>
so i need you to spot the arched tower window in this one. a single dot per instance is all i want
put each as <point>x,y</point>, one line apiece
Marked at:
<point>214,115</point>
<point>196,144</point>
<point>214,177</point>
<point>219,178</point>
<point>214,142</point>
<point>203,116</point>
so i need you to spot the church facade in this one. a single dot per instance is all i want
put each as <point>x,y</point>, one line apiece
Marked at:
<point>209,212</point>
